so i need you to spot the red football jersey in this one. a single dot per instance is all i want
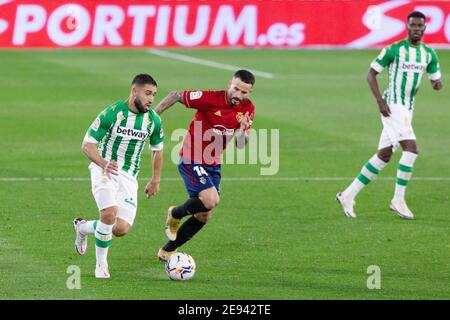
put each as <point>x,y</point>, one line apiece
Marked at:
<point>213,125</point>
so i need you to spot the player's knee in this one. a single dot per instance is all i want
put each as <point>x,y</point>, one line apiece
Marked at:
<point>120,232</point>
<point>409,146</point>
<point>203,216</point>
<point>413,150</point>
<point>121,228</point>
<point>210,198</point>
<point>108,215</point>
<point>385,154</point>
<point>386,157</point>
<point>211,201</point>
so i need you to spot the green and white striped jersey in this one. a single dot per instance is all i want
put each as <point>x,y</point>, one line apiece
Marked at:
<point>407,64</point>
<point>121,135</point>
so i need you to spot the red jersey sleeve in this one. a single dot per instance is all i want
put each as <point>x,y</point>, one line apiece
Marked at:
<point>202,100</point>
<point>196,99</point>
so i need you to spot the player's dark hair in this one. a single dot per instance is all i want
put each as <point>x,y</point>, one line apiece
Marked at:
<point>142,79</point>
<point>245,76</point>
<point>416,14</point>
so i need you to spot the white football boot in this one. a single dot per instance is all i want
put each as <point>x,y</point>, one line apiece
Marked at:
<point>80,239</point>
<point>101,270</point>
<point>400,207</point>
<point>347,204</point>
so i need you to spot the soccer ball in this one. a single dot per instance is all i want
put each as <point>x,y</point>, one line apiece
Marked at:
<point>180,266</point>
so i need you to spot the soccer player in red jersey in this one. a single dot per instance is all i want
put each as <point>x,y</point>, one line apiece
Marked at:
<point>220,116</point>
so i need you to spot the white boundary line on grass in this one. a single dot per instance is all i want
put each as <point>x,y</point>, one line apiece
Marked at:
<point>207,63</point>
<point>324,179</point>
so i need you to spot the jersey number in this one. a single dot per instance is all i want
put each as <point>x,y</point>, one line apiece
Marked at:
<point>200,171</point>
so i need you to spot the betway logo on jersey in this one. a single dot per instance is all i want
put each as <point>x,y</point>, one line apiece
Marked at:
<point>412,67</point>
<point>131,133</point>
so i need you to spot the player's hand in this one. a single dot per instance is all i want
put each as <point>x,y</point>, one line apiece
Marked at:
<point>384,108</point>
<point>245,122</point>
<point>152,188</point>
<point>110,168</point>
<point>437,84</point>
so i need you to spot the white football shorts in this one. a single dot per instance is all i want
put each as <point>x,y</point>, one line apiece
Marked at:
<point>397,127</point>
<point>120,191</point>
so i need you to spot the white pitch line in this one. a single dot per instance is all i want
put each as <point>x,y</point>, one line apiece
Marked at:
<point>207,63</point>
<point>325,179</point>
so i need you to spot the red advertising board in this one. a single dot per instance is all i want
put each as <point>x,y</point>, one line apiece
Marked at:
<point>295,24</point>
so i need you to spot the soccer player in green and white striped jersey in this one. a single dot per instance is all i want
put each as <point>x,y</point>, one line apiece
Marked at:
<point>114,143</point>
<point>407,61</point>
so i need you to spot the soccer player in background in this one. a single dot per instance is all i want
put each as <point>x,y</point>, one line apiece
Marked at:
<point>407,61</point>
<point>220,116</point>
<point>120,132</point>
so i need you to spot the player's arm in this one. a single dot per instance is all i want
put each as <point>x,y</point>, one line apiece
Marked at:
<point>90,150</point>
<point>373,84</point>
<point>383,60</point>
<point>169,100</point>
<point>95,133</point>
<point>152,187</point>
<point>434,73</point>
<point>156,146</point>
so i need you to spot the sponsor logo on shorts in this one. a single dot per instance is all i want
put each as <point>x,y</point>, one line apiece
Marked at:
<point>202,180</point>
<point>130,201</point>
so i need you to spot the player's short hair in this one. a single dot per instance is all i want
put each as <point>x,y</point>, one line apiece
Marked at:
<point>416,14</point>
<point>142,79</point>
<point>245,76</point>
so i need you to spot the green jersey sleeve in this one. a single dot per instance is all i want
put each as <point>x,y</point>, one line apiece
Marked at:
<point>100,126</point>
<point>384,59</point>
<point>157,136</point>
<point>433,69</point>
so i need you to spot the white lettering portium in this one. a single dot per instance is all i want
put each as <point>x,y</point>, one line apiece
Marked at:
<point>103,25</point>
<point>263,147</point>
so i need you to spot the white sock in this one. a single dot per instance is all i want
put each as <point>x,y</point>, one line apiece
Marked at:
<point>369,172</point>
<point>103,237</point>
<point>87,228</point>
<point>404,173</point>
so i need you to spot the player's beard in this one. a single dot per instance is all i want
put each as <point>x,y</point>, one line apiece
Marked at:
<point>138,104</point>
<point>416,36</point>
<point>234,101</point>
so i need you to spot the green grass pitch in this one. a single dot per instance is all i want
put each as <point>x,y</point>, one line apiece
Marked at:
<point>269,239</point>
